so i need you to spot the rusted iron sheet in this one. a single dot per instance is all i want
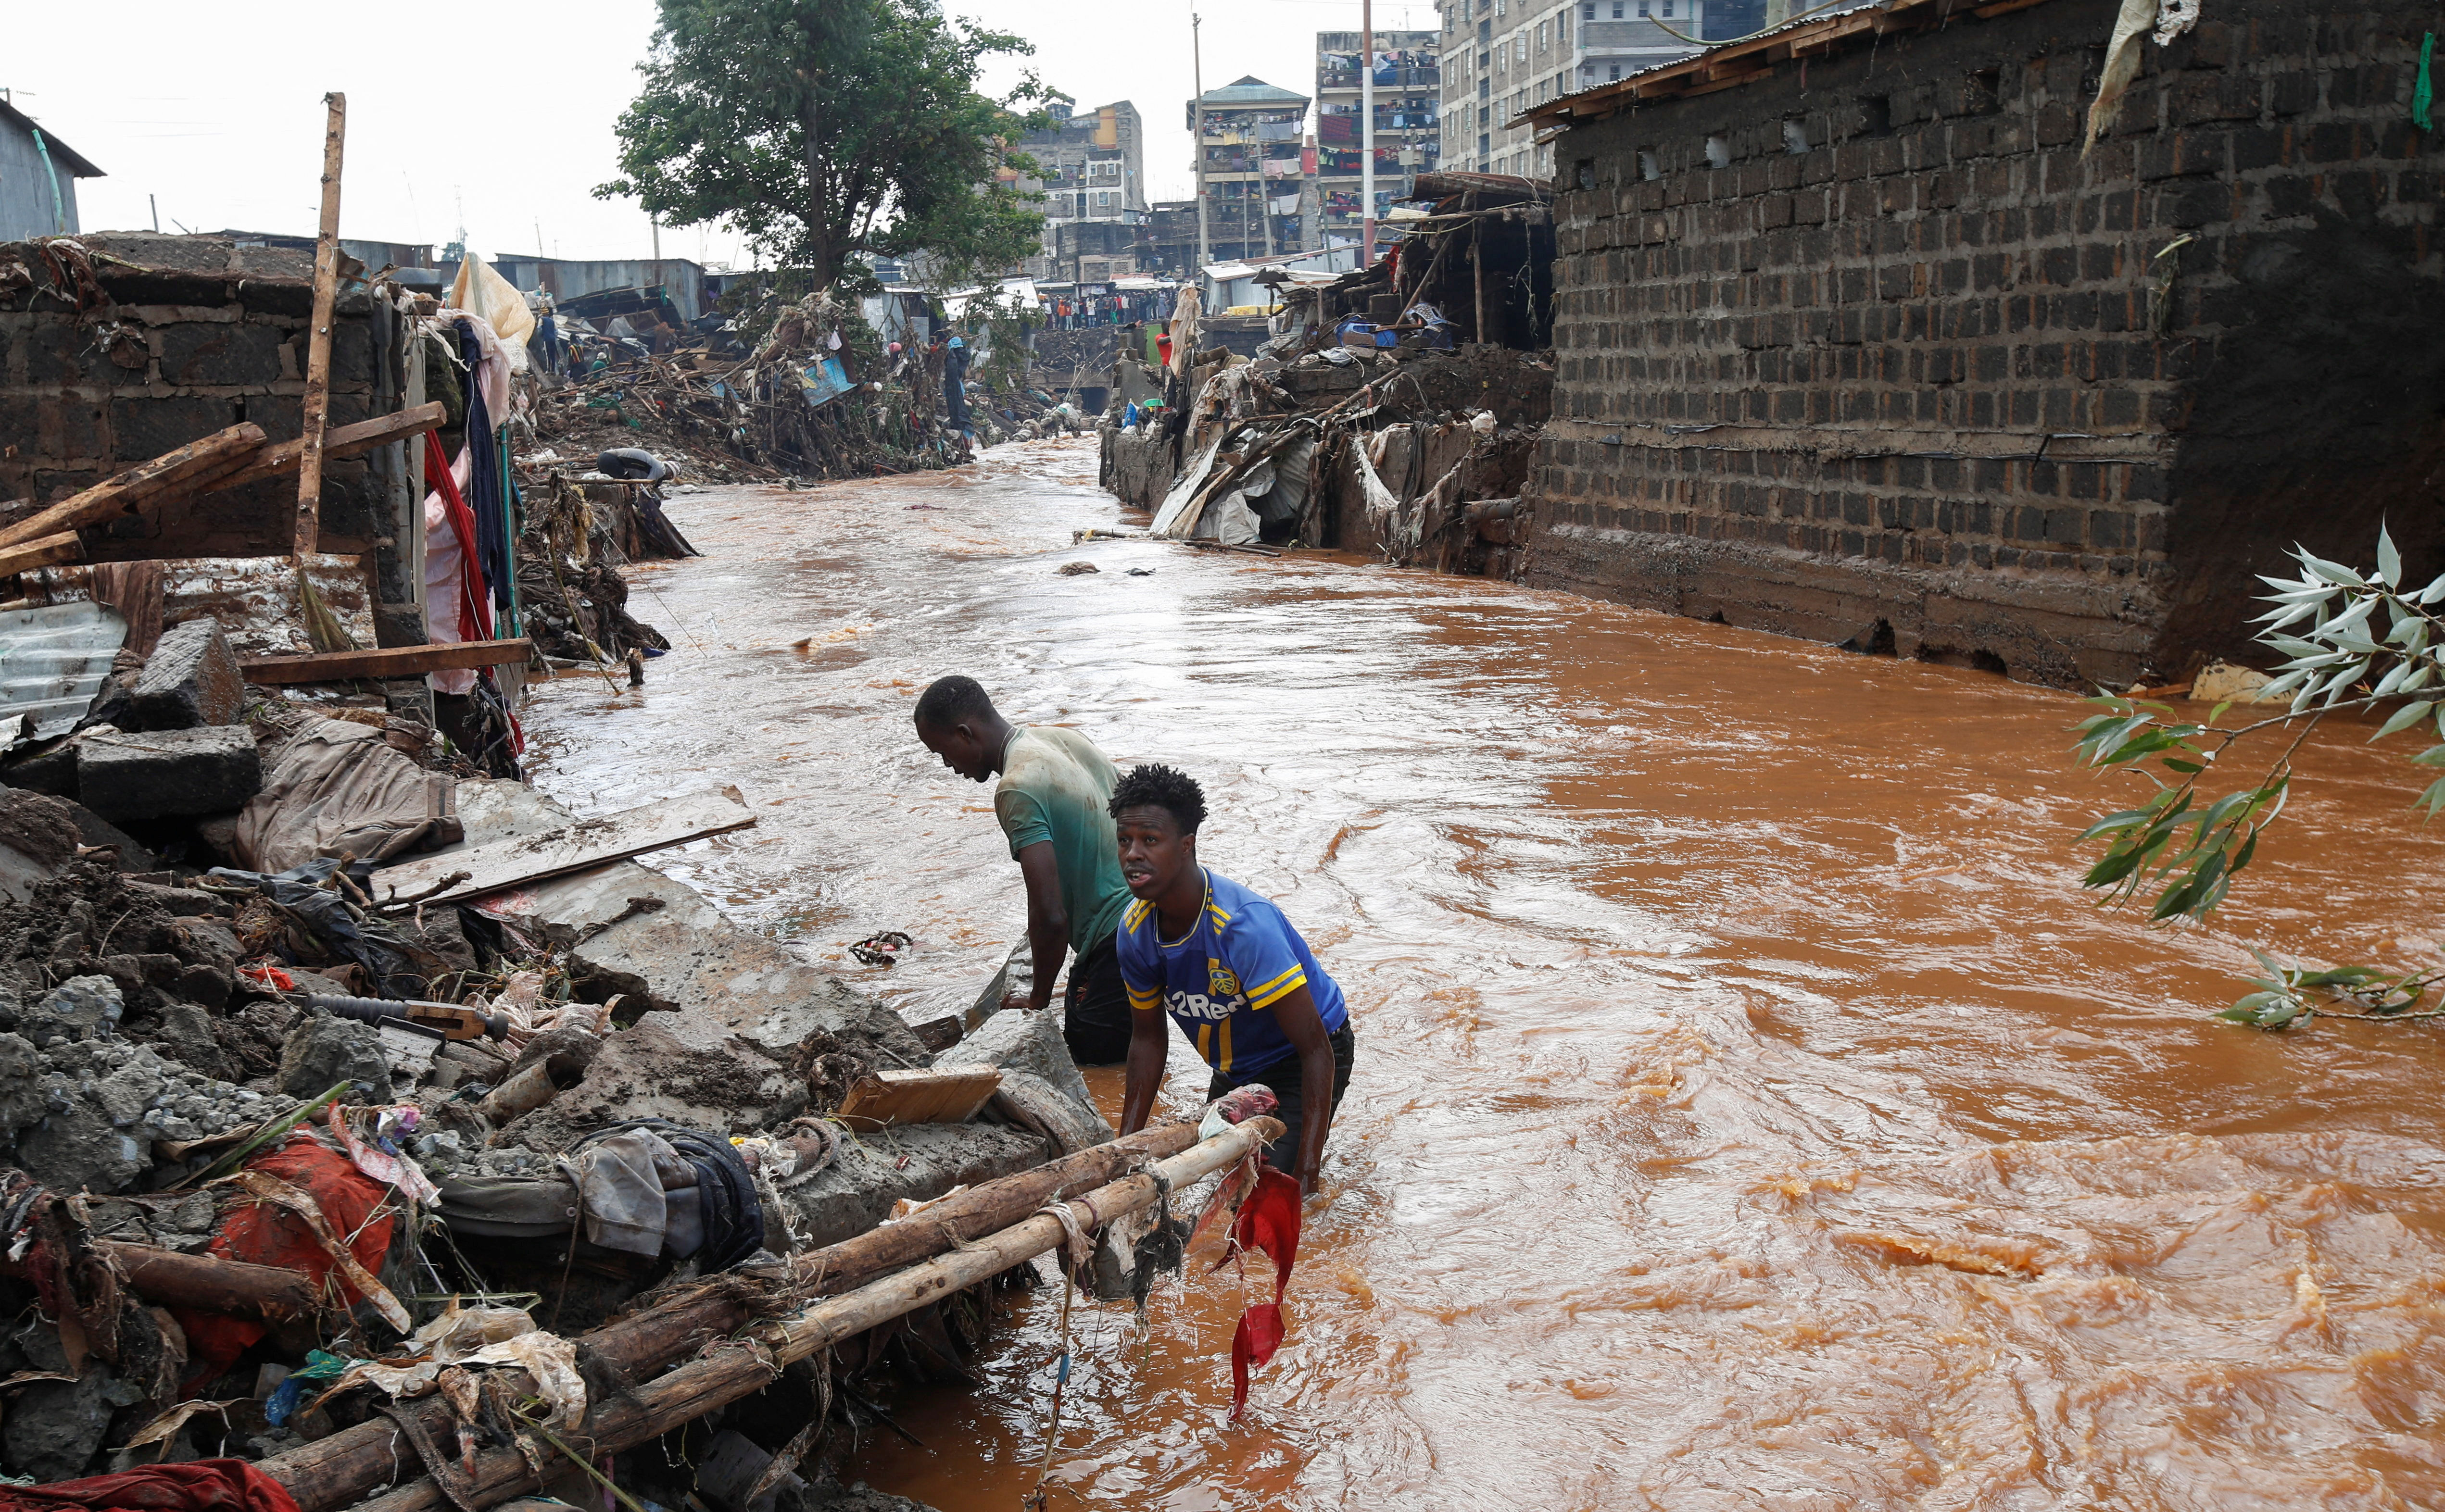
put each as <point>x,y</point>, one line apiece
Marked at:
<point>253,597</point>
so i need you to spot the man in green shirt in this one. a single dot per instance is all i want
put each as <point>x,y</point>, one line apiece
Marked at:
<point>1054,805</point>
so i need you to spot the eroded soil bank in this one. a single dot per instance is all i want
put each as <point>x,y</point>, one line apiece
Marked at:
<point>1750,1111</point>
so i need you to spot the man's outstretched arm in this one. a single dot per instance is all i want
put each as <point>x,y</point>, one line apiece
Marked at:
<point>1304,1027</point>
<point>1147,1049</point>
<point>1048,925</point>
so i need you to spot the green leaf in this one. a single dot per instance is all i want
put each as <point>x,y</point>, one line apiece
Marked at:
<point>2408,716</point>
<point>2113,823</point>
<point>2186,768</point>
<point>2389,561</point>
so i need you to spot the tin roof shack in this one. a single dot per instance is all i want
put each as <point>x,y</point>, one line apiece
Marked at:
<point>38,175</point>
<point>1856,344</point>
<point>120,347</point>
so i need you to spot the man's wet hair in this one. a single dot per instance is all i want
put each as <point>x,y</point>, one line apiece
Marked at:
<point>949,700</point>
<point>1169,788</point>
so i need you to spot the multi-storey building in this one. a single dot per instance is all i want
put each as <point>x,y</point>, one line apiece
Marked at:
<point>1503,57</point>
<point>1255,173</point>
<point>1090,169</point>
<point>1408,122</point>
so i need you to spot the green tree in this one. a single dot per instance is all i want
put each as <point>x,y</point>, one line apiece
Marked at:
<point>2350,640</point>
<point>824,128</point>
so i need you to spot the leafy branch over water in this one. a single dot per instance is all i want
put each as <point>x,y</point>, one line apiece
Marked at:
<point>2185,849</point>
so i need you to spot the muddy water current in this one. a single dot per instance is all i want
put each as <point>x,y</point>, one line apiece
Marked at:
<point>1750,1111</point>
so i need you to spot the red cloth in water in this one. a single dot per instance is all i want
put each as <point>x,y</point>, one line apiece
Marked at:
<point>262,1233</point>
<point>199,1485</point>
<point>1268,1223</point>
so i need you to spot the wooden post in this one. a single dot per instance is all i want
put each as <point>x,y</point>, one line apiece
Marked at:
<point>318,344</point>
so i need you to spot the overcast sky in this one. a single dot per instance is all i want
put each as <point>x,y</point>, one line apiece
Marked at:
<point>496,114</point>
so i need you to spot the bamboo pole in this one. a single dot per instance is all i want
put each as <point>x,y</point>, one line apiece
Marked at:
<point>724,1375</point>
<point>318,342</point>
<point>338,1470</point>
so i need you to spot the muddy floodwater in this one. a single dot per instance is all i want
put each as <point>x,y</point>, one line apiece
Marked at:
<point>1750,1111</point>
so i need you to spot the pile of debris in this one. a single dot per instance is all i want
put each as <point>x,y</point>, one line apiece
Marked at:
<point>1373,421</point>
<point>821,395</point>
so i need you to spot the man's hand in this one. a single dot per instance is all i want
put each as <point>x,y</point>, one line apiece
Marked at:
<point>1304,1027</point>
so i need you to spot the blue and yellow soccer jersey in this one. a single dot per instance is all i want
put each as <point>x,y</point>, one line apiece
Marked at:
<point>1220,983</point>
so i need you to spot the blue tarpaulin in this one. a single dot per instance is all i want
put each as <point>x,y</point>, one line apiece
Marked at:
<point>826,382</point>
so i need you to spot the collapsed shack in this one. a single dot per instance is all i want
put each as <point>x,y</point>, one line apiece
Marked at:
<point>1372,421</point>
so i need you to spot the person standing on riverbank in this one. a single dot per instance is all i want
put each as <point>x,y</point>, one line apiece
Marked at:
<point>1229,969</point>
<point>1053,803</point>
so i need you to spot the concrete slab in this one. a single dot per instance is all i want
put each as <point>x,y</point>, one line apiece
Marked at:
<point>686,956</point>
<point>856,1192</point>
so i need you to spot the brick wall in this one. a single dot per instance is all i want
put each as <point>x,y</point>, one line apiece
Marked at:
<point>1863,351</point>
<point>196,335</point>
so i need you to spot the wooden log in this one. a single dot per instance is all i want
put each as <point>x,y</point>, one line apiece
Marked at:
<point>211,457</point>
<point>725,1376</point>
<point>553,853</point>
<point>62,547</point>
<point>317,405</point>
<point>387,661</point>
<point>347,441</point>
<point>209,1283</point>
<point>334,1472</point>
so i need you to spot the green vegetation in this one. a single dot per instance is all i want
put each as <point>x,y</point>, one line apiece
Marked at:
<point>2183,849</point>
<point>821,129</point>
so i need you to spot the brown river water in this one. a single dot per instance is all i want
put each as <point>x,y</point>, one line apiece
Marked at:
<point>1750,1110</point>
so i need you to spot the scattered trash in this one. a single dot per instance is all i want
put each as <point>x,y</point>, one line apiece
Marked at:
<point>882,949</point>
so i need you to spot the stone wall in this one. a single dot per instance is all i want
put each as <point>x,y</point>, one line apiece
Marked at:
<point>1867,351</point>
<point>174,337</point>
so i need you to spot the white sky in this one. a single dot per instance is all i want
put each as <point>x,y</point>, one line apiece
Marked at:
<point>498,114</point>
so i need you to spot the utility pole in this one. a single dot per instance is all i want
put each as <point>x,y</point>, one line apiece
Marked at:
<point>1197,113</point>
<point>1367,129</point>
<point>157,212</point>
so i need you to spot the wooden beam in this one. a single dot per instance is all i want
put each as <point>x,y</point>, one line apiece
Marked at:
<point>579,847</point>
<point>342,1469</point>
<point>389,661</point>
<point>62,547</point>
<point>347,441</point>
<point>213,456</point>
<point>318,342</point>
<point>207,1282</point>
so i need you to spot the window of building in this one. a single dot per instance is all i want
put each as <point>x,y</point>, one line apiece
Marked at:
<point>1642,9</point>
<point>1616,9</point>
<point>1794,136</point>
<point>1484,29</point>
<point>1483,142</point>
<point>1587,13</point>
<point>1719,151</point>
<point>1520,48</point>
<point>1648,168</point>
<point>1668,9</point>
<point>1613,71</point>
<point>1485,86</point>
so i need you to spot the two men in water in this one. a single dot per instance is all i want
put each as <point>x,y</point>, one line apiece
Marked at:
<point>1171,938</point>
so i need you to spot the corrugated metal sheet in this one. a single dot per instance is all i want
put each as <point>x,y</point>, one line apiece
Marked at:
<point>253,597</point>
<point>52,661</point>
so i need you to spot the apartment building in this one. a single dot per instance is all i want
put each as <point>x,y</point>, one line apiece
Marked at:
<point>1090,169</point>
<point>1255,170</point>
<point>1408,122</point>
<point>1503,57</point>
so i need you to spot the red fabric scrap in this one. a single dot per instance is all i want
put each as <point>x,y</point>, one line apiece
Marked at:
<point>1268,1223</point>
<point>475,604</point>
<point>197,1485</point>
<point>262,1233</point>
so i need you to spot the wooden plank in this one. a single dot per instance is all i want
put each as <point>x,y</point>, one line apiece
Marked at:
<point>217,454</point>
<point>318,342</point>
<point>62,547</point>
<point>890,1099</point>
<point>347,441</point>
<point>573,848</point>
<point>389,661</point>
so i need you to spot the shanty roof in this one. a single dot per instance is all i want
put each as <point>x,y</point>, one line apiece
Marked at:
<point>1746,59</point>
<point>62,154</point>
<point>1250,90</point>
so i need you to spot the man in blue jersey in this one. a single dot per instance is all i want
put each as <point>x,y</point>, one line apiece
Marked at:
<point>1229,968</point>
